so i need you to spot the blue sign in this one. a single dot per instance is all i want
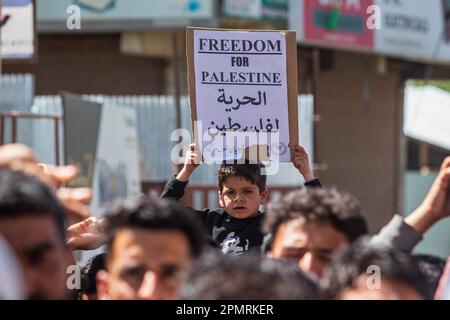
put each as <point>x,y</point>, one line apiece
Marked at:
<point>121,15</point>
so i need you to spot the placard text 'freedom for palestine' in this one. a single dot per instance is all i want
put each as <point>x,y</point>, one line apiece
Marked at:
<point>242,48</point>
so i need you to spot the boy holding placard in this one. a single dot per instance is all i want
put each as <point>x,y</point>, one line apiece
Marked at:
<point>236,226</point>
<point>243,89</point>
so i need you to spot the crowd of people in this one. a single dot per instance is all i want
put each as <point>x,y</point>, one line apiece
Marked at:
<point>311,244</point>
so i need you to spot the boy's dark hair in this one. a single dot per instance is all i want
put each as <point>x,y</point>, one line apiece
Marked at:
<point>249,171</point>
<point>221,277</point>
<point>89,273</point>
<point>340,209</point>
<point>23,195</point>
<point>354,260</point>
<point>156,216</point>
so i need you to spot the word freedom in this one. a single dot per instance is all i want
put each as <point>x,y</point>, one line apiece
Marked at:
<point>234,46</point>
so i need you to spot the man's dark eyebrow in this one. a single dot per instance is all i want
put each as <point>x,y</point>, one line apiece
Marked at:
<point>325,251</point>
<point>297,249</point>
<point>38,250</point>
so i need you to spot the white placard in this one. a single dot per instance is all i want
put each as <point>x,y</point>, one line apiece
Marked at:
<point>18,32</point>
<point>241,93</point>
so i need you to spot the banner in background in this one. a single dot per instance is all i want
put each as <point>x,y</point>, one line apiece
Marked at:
<point>275,11</point>
<point>120,15</point>
<point>412,29</point>
<point>18,34</point>
<point>341,26</point>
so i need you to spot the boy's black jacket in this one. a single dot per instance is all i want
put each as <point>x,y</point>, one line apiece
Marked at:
<point>233,236</point>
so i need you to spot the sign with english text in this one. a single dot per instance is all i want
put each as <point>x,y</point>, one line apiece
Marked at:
<point>243,88</point>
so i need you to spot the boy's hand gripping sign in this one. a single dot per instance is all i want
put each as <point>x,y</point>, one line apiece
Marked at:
<point>243,94</point>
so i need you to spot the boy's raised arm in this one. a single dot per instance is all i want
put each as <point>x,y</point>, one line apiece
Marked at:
<point>192,161</point>
<point>174,188</point>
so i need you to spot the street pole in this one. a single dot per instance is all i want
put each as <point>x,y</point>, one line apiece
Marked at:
<point>0,38</point>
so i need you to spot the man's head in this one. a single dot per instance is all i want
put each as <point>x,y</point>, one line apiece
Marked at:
<point>366,272</point>
<point>151,247</point>
<point>242,189</point>
<point>310,224</point>
<point>221,277</point>
<point>32,221</point>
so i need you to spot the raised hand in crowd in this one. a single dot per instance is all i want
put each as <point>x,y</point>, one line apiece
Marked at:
<point>301,163</point>
<point>75,200</point>
<point>86,235</point>
<point>20,158</point>
<point>436,204</point>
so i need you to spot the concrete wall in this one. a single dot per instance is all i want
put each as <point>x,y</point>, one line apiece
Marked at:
<point>91,64</point>
<point>358,136</point>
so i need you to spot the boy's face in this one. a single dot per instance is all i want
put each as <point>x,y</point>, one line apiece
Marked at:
<point>241,198</point>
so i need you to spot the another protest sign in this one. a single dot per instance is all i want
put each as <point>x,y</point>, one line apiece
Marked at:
<point>116,173</point>
<point>111,170</point>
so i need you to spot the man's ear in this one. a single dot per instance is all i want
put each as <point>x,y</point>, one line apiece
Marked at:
<point>102,285</point>
<point>264,196</point>
<point>219,196</point>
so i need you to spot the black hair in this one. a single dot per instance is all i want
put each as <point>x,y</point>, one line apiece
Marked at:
<point>222,277</point>
<point>155,216</point>
<point>340,209</point>
<point>351,262</point>
<point>89,273</point>
<point>432,267</point>
<point>252,172</point>
<point>23,195</point>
